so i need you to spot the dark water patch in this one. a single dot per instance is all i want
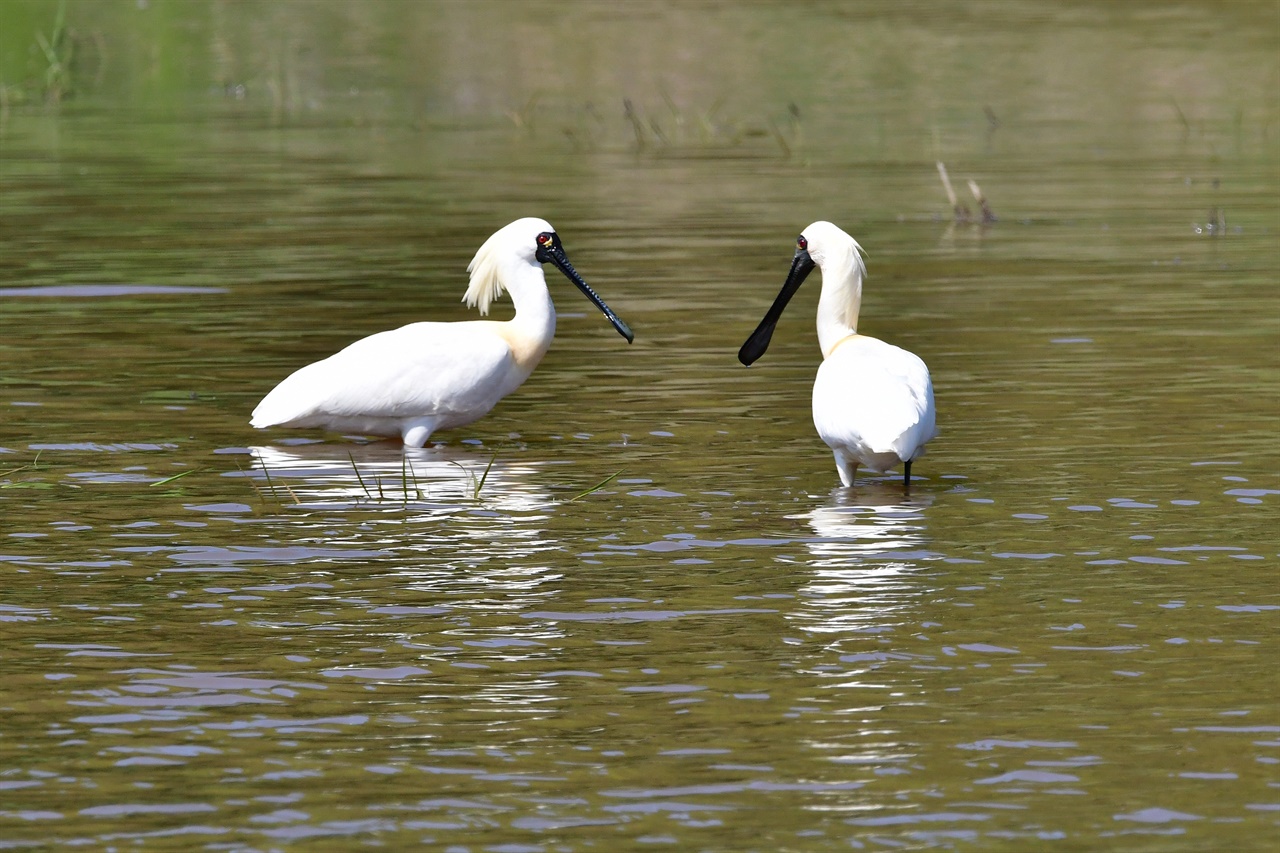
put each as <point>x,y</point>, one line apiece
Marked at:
<point>221,508</point>
<point>378,674</point>
<point>92,447</point>
<point>635,615</point>
<point>110,477</point>
<point>81,291</point>
<point>411,610</point>
<point>292,555</point>
<point>133,809</point>
<point>1157,815</point>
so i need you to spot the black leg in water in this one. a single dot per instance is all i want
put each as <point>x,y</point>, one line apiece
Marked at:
<point>906,474</point>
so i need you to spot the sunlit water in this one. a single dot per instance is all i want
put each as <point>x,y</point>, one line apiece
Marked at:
<point>630,608</point>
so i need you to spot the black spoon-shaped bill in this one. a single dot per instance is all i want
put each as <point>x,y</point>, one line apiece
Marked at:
<point>551,251</point>
<point>758,342</point>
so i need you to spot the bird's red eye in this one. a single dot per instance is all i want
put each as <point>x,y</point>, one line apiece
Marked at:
<point>544,238</point>
<point>801,242</point>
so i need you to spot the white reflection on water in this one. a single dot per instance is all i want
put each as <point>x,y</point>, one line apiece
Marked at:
<point>862,562</point>
<point>462,531</point>
<point>866,576</point>
<point>853,532</point>
<point>427,480</point>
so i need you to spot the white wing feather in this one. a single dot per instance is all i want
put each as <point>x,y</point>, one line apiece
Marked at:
<point>451,370</point>
<point>874,399</point>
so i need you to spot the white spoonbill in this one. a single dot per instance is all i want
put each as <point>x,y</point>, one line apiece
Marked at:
<point>872,401</point>
<point>424,377</point>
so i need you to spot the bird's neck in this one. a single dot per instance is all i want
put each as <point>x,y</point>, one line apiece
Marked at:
<point>838,305</point>
<point>534,323</point>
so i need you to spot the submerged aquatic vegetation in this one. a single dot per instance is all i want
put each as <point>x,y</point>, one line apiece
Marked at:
<point>50,77</point>
<point>168,480</point>
<point>58,50</point>
<point>381,489</point>
<point>677,131</point>
<point>27,483</point>
<point>597,487</point>
<point>477,484</point>
<point>355,469</point>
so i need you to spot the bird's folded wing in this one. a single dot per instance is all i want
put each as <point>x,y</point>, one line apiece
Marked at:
<point>416,370</point>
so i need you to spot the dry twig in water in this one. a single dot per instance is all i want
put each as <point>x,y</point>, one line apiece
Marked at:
<point>961,212</point>
<point>987,215</point>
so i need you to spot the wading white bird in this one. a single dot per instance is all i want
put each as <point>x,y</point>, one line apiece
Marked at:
<point>423,377</point>
<point>872,401</point>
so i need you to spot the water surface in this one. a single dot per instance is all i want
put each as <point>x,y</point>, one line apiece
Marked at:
<point>1062,637</point>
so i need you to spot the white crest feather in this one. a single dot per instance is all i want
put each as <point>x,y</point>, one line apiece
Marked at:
<point>512,244</point>
<point>858,274</point>
<point>486,284</point>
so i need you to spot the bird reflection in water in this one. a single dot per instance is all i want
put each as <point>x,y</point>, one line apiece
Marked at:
<point>864,561</point>
<point>861,608</point>
<point>458,573</point>
<point>452,518</point>
<point>371,476</point>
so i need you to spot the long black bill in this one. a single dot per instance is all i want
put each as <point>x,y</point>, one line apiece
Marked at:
<point>801,266</point>
<point>554,253</point>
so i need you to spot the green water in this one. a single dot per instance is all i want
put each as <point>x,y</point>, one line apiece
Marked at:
<point>1063,637</point>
